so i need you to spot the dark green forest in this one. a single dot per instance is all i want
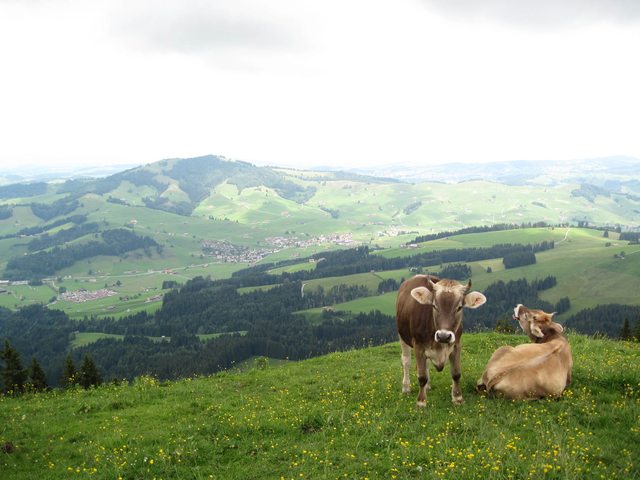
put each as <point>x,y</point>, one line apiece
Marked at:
<point>45,263</point>
<point>257,323</point>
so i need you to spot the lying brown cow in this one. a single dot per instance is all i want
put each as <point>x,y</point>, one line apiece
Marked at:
<point>532,370</point>
<point>429,318</point>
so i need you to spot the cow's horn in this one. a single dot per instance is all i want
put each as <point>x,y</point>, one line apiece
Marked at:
<point>468,288</point>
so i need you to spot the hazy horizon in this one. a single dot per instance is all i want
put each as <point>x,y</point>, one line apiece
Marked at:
<point>297,83</point>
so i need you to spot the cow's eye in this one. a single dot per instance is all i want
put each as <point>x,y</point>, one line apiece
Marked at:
<point>459,308</point>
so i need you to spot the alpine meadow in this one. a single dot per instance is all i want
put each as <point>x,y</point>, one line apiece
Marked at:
<point>205,317</point>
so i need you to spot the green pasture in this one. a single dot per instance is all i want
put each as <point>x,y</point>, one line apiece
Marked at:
<point>298,267</point>
<point>338,416</point>
<point>253,363</point>
<point>264,210</point>
<point>584,266</point>
<point>369,280</point>
<point>483,240</point>
<point>81,339</point>
<point>110,306</point>
<point>17,296</point>
<point>22,217</point>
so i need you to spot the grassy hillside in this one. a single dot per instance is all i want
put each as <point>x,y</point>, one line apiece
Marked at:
<point>339,416</point>
<point>582,261</point>
<point>274,214</point>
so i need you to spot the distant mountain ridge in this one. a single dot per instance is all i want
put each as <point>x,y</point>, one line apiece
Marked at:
<point>398,196</point>
<point>179,185</point>
<point>517,172</point>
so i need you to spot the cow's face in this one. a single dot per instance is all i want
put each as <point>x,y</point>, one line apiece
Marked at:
<point>448,298</point>
<point>536,323</point>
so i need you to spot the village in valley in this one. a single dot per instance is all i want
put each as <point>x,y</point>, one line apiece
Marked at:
<point>226,252</point>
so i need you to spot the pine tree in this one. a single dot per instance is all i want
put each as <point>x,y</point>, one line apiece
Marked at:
<point>37,377</point>
<point>636,330</point>
<point>625,333</point>
<point>69,374</point>
<point>503,325</point>
<point>606,234</point>
<point>13,375</point>
<point>89,374</point>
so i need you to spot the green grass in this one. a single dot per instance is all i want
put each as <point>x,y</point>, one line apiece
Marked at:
<point>298,267</point>
<point>369,280</point>
<point>487,239</point>
<point>339,416</point>
<point>82,339</point>
<point>254,363</point>
<point>22,295</point>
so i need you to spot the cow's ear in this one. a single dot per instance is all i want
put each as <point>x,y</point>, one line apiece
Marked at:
<point>474,300</point>
<point>535,330</point>
<point>556,327</point>
<point>422,295</point>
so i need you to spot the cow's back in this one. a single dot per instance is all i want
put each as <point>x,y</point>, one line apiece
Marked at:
<point>530,370</point>
<point>414,320</point>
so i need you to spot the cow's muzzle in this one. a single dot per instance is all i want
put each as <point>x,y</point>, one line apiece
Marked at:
<point>445,336</point>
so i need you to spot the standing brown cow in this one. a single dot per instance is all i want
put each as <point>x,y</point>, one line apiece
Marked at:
<point>429,318</point>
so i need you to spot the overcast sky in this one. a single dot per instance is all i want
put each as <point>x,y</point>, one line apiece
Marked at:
<point>301,82</point>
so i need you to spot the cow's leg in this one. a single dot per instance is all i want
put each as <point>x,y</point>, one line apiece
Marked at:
<point>454,358</point>
<point>423,375</point>
<point>484,380</point>
<point>406,366</point>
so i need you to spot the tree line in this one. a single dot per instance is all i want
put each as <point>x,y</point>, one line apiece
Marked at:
<point>502,297</point>
<point>62,236</point>
<point>605,319</point>
<point>360,260</point>
<point>15,379</point>
<point>22,190</point>
<point>77,219</point>
<point>47,211</point>
<point>5,212</point>
<point>46,263</point>
<point>498,227</point>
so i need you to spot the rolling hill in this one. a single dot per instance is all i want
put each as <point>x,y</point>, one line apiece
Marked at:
<point>115,253</point>
<point>213,216</point>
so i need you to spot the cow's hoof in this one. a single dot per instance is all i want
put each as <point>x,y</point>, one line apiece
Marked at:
<point>406,389</point>
<point>458,400</point>
<point>421,404</point>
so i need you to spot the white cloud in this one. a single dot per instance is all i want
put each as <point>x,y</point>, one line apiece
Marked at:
<point>302,82</point>
<point>542,13</point>
<point>196,26</point>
